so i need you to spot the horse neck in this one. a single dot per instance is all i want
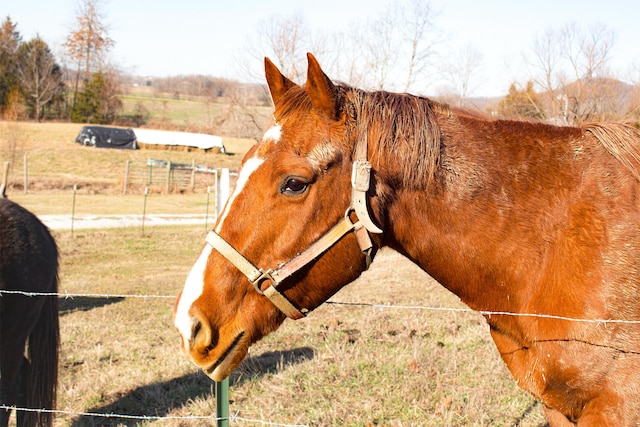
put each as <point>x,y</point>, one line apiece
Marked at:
<point>466,230</point>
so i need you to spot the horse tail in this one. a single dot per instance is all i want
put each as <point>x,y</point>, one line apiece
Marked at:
<point>42,370</point>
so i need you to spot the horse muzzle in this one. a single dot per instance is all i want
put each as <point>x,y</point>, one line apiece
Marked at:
<point>216,352</point>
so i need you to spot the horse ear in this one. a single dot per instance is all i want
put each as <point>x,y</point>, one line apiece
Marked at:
<point>278,84</point>
<point>320,89</point>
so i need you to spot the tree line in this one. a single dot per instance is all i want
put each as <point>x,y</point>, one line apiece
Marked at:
<point>34,85</point>
<point>84,87</point>
<point>569,81</point>
<point>30,78</point>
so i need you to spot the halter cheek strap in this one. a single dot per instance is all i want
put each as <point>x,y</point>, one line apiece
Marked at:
<point>257,276</point>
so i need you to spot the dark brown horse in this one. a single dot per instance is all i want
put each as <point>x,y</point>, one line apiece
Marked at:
<point>28,265</point>
<point>513,217</point>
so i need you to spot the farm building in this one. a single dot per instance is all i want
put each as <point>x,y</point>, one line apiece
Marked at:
<point>107,137</point>
<point>159,138</point>
<point>111,137</point>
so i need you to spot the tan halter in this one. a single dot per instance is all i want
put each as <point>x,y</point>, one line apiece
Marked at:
<point>360,182</point>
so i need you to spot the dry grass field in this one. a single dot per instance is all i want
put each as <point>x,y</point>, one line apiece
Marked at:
<point>344,365</point>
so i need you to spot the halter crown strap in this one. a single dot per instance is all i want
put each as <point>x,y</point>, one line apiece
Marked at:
<point>360,182</point>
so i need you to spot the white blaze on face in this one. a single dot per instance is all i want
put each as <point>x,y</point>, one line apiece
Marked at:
<point>250,166</point>
<point>194,285</point>
<point>193,288</point>
<point>273,134</point>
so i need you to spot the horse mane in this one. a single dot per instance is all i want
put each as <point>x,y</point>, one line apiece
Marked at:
<point>621,141</point>
<point>397,126</point>
<point>401,127</point>
<point>402,130</point>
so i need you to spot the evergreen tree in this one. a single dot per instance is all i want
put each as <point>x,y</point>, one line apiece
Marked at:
<point>521,103</point>
<point>98,102</point>
<point>9,42</point>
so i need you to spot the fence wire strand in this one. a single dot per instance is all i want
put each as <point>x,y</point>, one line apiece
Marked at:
<point>68,295</point>
<point>233,418</point>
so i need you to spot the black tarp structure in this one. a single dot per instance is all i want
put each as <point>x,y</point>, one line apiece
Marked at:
<point>107,137</point>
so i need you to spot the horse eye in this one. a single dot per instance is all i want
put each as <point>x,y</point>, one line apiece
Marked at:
<point>294,186</point>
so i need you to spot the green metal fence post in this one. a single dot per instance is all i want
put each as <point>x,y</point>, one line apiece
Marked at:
<point>222,387</point>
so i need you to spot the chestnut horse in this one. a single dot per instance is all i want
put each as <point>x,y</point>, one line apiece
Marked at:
<point>28,265</point>
<point>536,226</point>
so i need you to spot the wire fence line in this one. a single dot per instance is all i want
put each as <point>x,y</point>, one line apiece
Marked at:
<point>236,418</point>
<point>69,295</point>
<point>233,418</point>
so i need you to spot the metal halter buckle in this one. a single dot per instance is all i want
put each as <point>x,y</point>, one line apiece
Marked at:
<point>361,175</point>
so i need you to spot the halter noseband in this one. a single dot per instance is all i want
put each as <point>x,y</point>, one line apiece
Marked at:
<point>360,181</point>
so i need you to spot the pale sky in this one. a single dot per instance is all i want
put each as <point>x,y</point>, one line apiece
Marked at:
<point>174,37</point>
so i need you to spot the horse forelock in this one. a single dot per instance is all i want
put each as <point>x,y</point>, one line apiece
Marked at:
<point>296,100</point>
<point>320,151</point>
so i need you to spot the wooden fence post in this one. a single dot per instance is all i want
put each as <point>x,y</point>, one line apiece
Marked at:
<point>26,169</point>
<point>222,189</point>
<point>168,176</point>
<point>193,174</point>
<point>126,176</point>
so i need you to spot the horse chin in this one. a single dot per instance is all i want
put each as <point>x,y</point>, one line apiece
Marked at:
<point>230,359</point>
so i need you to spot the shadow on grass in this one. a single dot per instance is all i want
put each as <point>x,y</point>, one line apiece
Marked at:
<point>527,412</point>
<point>69,305</point>
<point>159,399</point>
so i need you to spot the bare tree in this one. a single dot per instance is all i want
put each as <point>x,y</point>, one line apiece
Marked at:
<point>587,50</point>
<point>461,72</point>
<point>388,52</point>
<point>379,48</point>
<point>570,66</point>
<point>283,39</point>
<point>422,35</point>
<point>545,59</point>
<point>397,46</point>
<point>39,75</point>
<point>88,42</point>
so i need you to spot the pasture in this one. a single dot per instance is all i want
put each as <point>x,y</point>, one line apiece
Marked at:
<point>343,365</point>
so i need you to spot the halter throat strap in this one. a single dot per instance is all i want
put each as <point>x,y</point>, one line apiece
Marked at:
<point>274,277</point>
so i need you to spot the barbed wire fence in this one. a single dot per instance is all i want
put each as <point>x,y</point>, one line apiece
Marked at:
<point>234,417</point>
<point>221,186</point>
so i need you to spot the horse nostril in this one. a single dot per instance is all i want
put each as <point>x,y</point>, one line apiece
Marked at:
<point>196,329</point>
<point>203,337</point>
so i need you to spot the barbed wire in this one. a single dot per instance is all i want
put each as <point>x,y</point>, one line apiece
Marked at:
<point>69,295</point>
<point>233,418</point>
<point>486,312</point>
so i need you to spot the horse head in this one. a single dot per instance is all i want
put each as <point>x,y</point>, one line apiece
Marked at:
<point>294,231</point>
